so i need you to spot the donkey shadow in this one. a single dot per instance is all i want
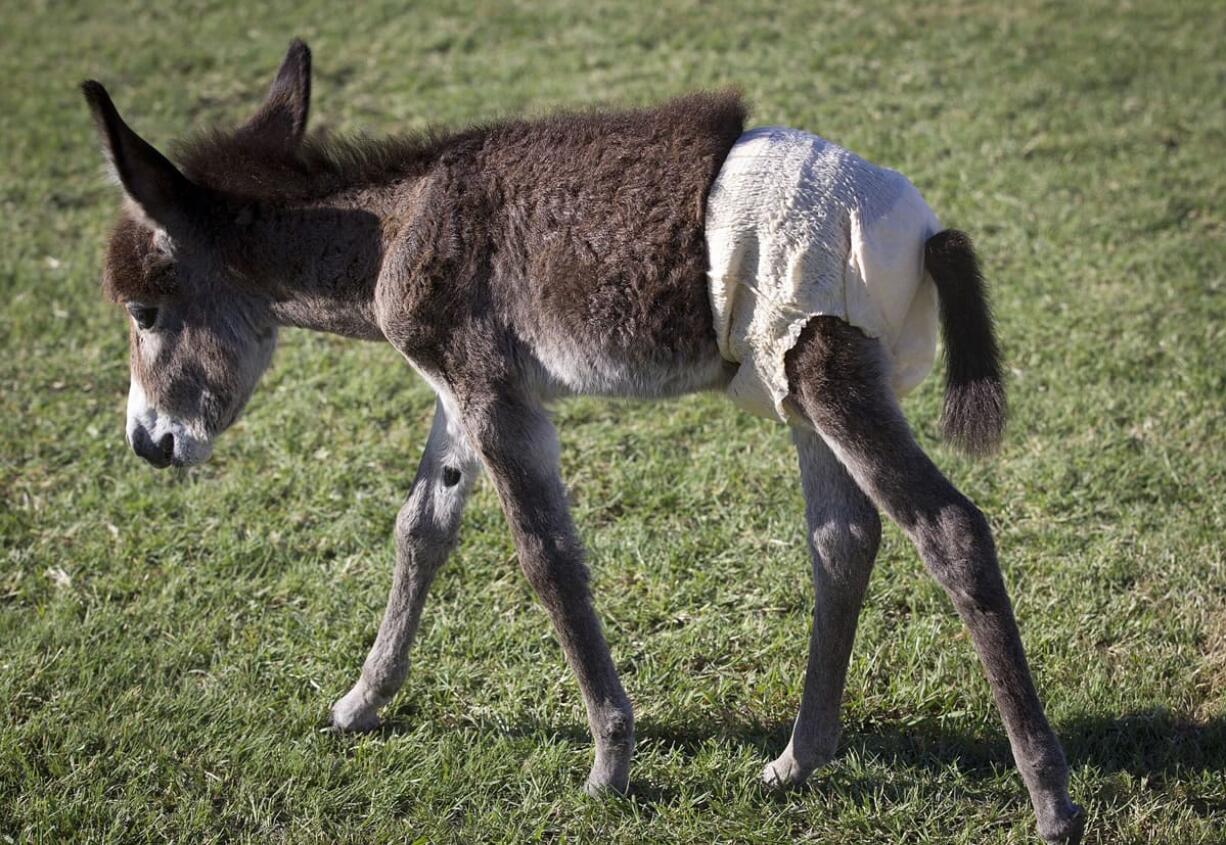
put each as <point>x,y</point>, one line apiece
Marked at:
<point>1154,744</point>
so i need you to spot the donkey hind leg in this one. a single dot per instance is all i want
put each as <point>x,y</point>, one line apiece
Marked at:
<point>837,378</point>
<point>426,530</point>
<point>844,532</point>
<point>519,448</point>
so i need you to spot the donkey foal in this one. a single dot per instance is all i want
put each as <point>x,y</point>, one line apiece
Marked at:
<point>644,253</point>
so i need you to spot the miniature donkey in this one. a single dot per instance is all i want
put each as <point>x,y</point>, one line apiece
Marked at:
<point>513,264</point>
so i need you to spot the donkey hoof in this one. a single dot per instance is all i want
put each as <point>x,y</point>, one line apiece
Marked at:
<point>608,778</point>
<point>785,773</point>
<point>604,789</point>
<point>353,715</point>
<point>1066,830</point>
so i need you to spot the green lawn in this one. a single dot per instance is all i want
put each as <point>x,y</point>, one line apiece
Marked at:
<point>170,643</point>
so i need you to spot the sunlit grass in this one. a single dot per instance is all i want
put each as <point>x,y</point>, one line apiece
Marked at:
<point>170,644</point>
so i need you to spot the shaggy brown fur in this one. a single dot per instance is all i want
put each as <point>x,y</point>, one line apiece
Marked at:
<point>259,165</point>
<point>588,223</point>
<point>133,270</point>
<point>584,230</point>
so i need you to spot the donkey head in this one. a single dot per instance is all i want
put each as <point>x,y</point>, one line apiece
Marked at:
<point>201,333</point>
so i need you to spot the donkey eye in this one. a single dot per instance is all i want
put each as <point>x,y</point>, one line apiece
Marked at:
<point>144,315</point>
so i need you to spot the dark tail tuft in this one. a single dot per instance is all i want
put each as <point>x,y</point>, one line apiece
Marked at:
<point>975,409</point>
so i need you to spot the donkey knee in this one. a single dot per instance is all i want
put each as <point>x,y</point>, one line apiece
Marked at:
<point>846,548</point>
<point>419,536</point>
<point>614,726</point>
<point>850,541</point>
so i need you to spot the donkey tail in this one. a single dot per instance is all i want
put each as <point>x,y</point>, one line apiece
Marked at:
<point>973,418</point>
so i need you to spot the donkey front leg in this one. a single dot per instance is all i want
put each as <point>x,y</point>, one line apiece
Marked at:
<point>837,376</point>
<point>426,530</point>
<point>519,447</point>
<point>844,532</point>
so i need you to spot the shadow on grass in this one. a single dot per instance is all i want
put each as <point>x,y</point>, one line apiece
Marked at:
<point>1144,743</point>
<point>1152,744</point>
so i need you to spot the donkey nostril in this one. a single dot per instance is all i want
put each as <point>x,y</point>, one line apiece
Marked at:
<point>160,453</point>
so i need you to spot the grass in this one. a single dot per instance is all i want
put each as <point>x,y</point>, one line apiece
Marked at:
<point>170,643</point>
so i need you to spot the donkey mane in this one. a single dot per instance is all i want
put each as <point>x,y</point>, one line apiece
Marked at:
<point>320,165</point>
<point>244,164</point>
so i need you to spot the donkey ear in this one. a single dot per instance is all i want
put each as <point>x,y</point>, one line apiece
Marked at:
<point>163,193</point>
<point>283,117</point>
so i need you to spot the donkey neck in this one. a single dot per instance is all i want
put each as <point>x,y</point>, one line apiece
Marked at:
<point>323,260</point>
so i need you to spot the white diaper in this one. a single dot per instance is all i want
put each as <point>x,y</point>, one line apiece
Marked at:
<point>798,227</point>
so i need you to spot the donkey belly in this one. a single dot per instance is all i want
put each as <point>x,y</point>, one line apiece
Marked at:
<point>572,365</point>
<point>798,227</point>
